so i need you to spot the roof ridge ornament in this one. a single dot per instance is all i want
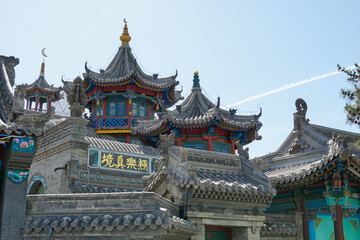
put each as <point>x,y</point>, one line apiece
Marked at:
<point>196,80</point>
<point>125,37</point>
<point>300,114</point>
<point>42,70</point>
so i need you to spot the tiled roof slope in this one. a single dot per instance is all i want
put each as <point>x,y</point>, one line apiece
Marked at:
<point>308,148</point>
<point>210,171</point>
<point>197,111</point>
<point>123,67</point>
<point>114,145</point>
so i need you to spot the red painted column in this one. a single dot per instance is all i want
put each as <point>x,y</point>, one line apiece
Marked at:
<point>36,103</point>
<point>48,104</point>
<point>232,142</point>
<point>93,107</point>
<point>305,222</point>
<point>338,224</point>
<point>127,138</point>
<point>209,144</point>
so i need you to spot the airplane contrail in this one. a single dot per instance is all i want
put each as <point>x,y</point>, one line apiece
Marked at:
<point>287,86</point>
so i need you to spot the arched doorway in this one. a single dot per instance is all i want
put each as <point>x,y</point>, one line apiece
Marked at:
<point>37,185</point>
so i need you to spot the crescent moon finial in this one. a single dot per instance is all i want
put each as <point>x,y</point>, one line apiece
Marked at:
<point>125,20</point>
<point>43,52</point>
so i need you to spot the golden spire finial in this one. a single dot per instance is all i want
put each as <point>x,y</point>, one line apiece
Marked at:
<point>42,70</point>
<point>125,37</point>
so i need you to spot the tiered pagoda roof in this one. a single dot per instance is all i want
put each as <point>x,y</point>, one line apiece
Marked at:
<point>197,111</point>
<point>124,70</point>
<point>41,85</point>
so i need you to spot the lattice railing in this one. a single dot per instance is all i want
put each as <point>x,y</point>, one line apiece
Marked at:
<point>114,122</point>
<point>133,122</point>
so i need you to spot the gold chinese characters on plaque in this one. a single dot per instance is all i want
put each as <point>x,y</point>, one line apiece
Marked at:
<point>124,162</point>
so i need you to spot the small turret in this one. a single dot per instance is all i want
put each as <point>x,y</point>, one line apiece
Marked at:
<point>40,94</point>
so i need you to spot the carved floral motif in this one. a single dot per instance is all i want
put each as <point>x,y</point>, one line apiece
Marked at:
<point>17,176</point>
<point>23,144</point>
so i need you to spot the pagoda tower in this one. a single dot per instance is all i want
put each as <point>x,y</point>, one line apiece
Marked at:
<point>40,94</point>
<point>198,123</point>
<point>122,94</point>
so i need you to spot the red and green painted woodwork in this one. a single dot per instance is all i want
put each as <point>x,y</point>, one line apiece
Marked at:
<point>337,213</point>
<point>116,109</point>
<point>211,137</point>
<point>337,191</point>
<point>162,97</point>
<point>39,101</point>
<point>331,222</point>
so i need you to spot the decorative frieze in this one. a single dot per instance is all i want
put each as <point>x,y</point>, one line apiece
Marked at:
<point>17,176</point>
<point>109,178</point>
<point>279,229</point>
<point>23,144</point>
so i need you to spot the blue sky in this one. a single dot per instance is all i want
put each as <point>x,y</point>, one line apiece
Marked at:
<point>239,48</point>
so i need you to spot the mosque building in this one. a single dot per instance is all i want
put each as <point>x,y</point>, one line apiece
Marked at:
<point>138,169</point>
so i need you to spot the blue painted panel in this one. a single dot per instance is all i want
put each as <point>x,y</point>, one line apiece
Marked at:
<point>312,229</point>
<point>351,228</point>
<point>315,203</point>
<point>324,227</point>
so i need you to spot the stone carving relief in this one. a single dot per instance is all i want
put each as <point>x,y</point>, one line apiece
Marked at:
<point>76,98</point>
<point>297,146</point>
<point>167,141</point>
<point>228,211</point>
<point>10,63</point>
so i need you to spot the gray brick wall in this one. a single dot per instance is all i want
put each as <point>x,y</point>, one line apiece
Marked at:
<point>13,213</point>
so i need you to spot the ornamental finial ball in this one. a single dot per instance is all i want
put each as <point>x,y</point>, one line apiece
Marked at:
<point>196,73</point>
<point>125,37</point>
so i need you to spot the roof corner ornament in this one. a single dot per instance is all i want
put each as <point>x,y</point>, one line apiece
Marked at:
<point>218,103</point>
<point>260,113</point>
<point>301,106</point>
<point>243,153</point>
<point>232,112</point>
<point>125,37</point>
<point>155,75</point>
<point>338,145</point>
<point>300,114</point>
<point>178,108</point>
<point>258,164</point>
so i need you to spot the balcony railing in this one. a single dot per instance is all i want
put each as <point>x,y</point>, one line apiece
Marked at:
<point>114,122</point>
